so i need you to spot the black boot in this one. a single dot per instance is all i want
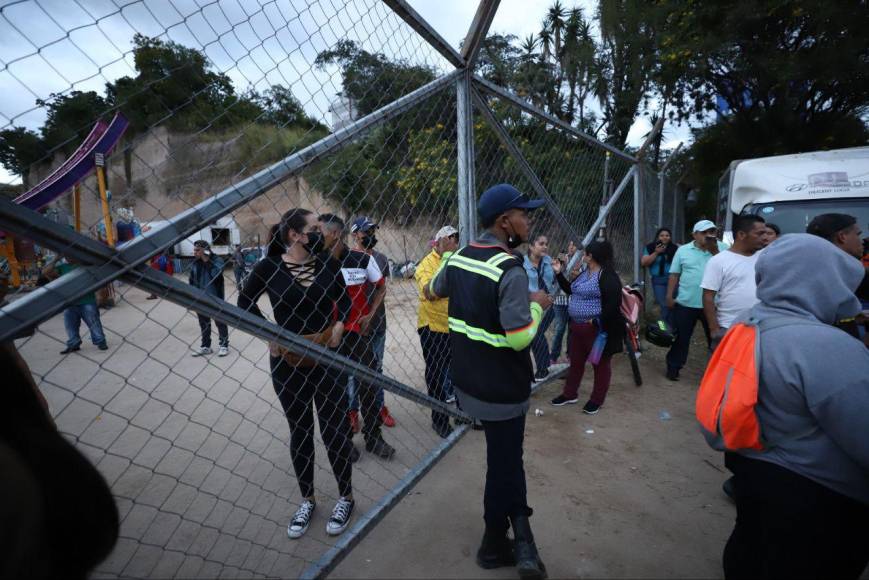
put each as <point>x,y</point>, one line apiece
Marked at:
<point>527,559</point>
<point>496,549</point>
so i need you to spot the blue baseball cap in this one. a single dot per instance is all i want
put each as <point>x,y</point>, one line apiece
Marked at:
<point>502,197</point>
<point>362,224</point>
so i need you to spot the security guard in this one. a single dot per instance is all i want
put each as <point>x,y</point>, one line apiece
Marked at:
<point>492,321</point>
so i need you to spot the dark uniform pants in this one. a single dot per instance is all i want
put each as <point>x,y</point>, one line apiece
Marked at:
<point>506,493</point>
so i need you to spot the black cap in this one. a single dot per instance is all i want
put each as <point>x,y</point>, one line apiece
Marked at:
<point>502,197</point>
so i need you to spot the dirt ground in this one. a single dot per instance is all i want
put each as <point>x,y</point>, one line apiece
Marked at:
<point>625,493</point>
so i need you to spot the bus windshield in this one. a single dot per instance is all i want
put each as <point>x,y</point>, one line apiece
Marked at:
<point>793,216</point>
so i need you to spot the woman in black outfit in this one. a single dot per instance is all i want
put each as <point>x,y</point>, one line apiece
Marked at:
<point>594,307</point>
<point>304,285</point>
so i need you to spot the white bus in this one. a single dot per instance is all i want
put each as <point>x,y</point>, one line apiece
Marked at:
<point>790,190</point>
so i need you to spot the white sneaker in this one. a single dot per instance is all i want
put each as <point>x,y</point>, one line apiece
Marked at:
<point>450,400</point>
<point>223,351</point>
<point>340,516</point>
<point>202,351</point>
<point>301,520</point>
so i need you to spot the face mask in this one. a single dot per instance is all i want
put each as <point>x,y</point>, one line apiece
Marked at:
<point>513,241</point>
<point>315,243</point>
<point>369,241</point>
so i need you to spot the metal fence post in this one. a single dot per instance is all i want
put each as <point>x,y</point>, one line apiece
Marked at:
<point>638,198</point>
<point>465,155</point>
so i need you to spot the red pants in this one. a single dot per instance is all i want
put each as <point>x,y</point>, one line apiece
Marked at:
<point>581,339</point>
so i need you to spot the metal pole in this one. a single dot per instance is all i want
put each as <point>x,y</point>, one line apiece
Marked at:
<point>486,10</point>
<point>637,213</point>
<point>76,206</point>
<point>465,155</point>
<point>424,29</point>
<point>104,198</point>
<point>661,179</point>
<point>604,211</point>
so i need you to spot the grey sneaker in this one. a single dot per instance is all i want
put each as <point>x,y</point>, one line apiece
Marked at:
<point>223,351</point>
<point>340,516</point>
<point>301,520</point>
<point>202,351</point>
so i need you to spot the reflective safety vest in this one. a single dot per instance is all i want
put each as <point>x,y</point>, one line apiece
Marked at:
<point>728,393</point>
<point>483,363</point>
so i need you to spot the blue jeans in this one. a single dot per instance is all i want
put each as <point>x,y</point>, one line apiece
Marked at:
<point>72,317</point>
<point>378,346</point>
<point>539,346</point>
<point>659,287</point>
<point>561,320</point>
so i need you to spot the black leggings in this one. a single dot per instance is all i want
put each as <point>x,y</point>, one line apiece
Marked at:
<point>297,387</point>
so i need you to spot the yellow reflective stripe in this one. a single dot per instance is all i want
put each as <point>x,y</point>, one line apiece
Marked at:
<point>499,259</point>
<point>478,334</point>
<point>475,267</point>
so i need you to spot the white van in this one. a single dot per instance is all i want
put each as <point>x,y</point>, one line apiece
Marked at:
<point>222,236</point>
<point>790,190</point>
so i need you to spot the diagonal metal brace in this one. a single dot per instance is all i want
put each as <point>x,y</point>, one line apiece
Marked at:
<point>39,306</point>
<point>502,93</point>
<point>86,250</point>
<point>424,29</point>
<point>524,166</point>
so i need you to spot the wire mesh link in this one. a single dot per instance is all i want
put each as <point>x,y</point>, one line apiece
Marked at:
<point>208,457</point>
<point>579,176</point>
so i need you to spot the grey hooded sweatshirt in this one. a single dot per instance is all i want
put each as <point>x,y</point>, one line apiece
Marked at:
<point>814,380</point>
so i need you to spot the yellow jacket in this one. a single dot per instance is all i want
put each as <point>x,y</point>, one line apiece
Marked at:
<point>431,313</point>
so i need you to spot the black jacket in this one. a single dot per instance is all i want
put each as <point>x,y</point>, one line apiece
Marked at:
<point>611,318</point>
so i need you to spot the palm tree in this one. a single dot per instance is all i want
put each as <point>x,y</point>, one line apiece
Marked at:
<point>555,22</point>
<point>545,37</point>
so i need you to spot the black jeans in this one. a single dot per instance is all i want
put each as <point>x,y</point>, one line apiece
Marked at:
<point>788,526</point>
<point>437,354</point>
<point>506,493</point>
<point>297,388</point>
<point>358,348</point>
<point>205,330</point>
<point>684,320</point>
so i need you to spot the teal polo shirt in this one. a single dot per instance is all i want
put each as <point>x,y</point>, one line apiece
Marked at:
<point>690,263</point>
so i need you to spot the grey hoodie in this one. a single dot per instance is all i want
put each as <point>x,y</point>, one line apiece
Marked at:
<point>813,379</point>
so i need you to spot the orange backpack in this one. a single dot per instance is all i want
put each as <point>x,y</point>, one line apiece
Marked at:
<point>727,396</point>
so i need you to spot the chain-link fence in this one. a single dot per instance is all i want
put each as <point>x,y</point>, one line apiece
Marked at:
<point>197,392</point>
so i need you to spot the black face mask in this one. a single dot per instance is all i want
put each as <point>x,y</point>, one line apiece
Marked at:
<point>513,241</point>
<point>369,241</point>
<point>315,243</point>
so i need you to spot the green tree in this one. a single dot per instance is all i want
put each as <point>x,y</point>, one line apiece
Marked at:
<point>371,80</point>
<point>19,149</point>
<point>283,109</point>
<point>624,61</point>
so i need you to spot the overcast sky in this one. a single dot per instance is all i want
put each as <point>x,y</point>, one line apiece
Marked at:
<point>51,46</point>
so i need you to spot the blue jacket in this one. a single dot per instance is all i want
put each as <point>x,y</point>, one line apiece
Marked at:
<point>208,276</point>
<point>548,274</point>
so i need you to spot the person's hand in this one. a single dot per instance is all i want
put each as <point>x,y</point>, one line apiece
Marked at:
<point>275,350</point>
<point>556,266</point>
<point>337,335</point>
<point>718,334</point>
<point>671,302</point>
<point>365,323</point>
<point>541,298</point>
<point>659,248</point>
<point>712,243</point>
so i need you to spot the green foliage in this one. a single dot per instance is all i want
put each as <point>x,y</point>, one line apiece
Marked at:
<point>175,86</point>
<point>283,109</point>
<point>260,145</point>
<point>371,80</point>
<point>792,72</point>
<point>19,149</point>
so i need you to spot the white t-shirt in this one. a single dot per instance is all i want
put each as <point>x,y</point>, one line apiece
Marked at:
<point>731,276</point>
